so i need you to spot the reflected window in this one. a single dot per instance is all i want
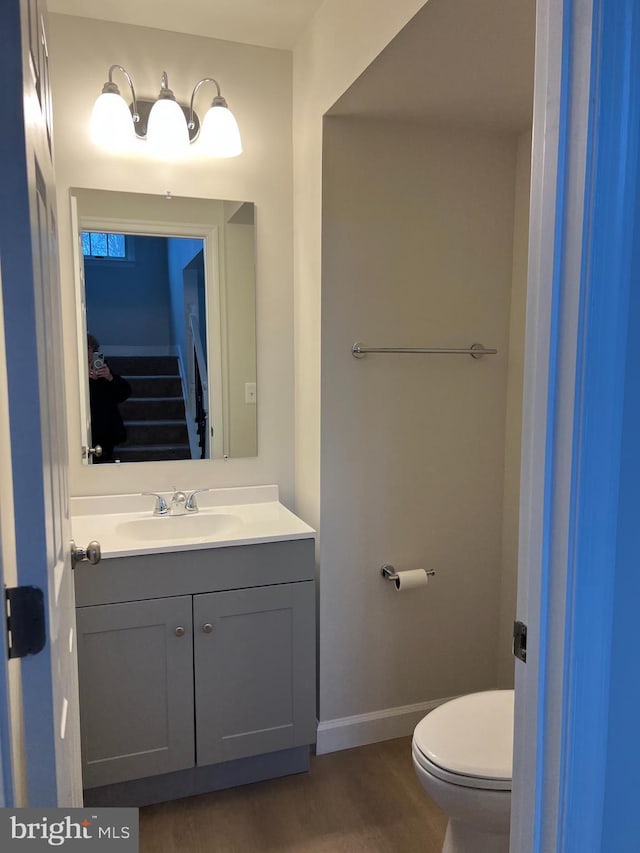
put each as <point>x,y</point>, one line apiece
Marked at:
<point>99,244</point>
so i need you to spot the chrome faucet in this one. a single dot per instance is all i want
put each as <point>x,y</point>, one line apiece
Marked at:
<point>161,507</point>
<point>191,505</point>
<point>178,505</point>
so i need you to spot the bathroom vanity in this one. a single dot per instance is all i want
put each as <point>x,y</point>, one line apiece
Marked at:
<point>196,653</point>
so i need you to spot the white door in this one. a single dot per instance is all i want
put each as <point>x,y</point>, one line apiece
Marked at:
<point>7,552</point>
<point>36,394</point>
<point>553,415</point>
<point>81,326</point>
<point>544,183</point>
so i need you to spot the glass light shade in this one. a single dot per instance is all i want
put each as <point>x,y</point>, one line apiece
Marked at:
<point>111,123</point>
<point>167,133</point>
<point>220,133</point>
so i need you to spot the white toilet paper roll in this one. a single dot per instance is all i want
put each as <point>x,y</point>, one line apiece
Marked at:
<point>411,579</point>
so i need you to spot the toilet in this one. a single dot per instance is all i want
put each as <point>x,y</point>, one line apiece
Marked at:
<point>463,757</point>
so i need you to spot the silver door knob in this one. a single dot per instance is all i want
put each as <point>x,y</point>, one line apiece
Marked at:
<point>207,627</point>
<point>95,451</point>
<point>90,553</point>
<point>179,632</point>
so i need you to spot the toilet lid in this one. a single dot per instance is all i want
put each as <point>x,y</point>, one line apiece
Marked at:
<point>471,735</point>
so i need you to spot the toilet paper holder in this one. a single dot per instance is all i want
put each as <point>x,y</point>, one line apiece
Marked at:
<point>390,573</point>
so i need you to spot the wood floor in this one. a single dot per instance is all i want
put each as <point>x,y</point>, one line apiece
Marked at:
<point>364,799</point>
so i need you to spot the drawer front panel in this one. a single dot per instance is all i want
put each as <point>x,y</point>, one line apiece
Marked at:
<point>197,571</point>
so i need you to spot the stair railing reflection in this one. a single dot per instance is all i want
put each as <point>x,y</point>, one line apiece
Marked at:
<point>198,402</point>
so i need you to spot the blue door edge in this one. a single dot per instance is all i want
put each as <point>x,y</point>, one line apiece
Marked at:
<point>608,256</point>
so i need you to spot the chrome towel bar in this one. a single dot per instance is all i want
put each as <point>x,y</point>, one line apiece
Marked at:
<point>359,350</point>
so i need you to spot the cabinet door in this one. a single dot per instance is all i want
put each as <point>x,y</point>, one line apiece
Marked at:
<point>135,664</point>
<point>254,671</point>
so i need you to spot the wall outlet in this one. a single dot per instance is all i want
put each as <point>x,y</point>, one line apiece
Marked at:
<point>250,393</point>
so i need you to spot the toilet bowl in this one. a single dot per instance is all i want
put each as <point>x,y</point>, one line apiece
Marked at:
<point>463,757</point>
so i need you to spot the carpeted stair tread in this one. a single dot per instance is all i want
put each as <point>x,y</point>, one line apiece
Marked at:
<point>143,365</point>
<point>158,422</point>
<point>130,376</point>
<point>155,386</point>
<point>152,408</point>
<point>137,447</point>
<point>157,432</point>
<point>152,452</point>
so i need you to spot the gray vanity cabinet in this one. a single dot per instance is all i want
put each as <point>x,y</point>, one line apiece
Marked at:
<point>253,653</point>
<point>136,689</point>
<point>207,684</point>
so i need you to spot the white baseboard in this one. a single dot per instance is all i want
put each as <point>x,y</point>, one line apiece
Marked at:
<point>376,726</point>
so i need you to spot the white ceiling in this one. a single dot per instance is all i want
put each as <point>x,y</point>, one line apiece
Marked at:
<point>463,62</point>
<point>269,23</point>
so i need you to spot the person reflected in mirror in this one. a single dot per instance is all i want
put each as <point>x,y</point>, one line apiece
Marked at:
<point>106,391</point>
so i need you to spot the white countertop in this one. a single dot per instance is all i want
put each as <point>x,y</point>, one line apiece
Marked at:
<point>125,526</point>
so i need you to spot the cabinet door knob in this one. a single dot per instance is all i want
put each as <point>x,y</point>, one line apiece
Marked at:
<point>179,632</point>
<point>207,627</point>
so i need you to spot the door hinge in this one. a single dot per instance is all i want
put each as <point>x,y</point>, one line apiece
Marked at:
<point>520,641</point>
<point>25,621</point>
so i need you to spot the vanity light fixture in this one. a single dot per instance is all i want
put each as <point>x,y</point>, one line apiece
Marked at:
<point>167,126</point>
<point>112,125</point>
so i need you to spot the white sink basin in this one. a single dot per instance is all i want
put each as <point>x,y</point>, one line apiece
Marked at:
<point>125,525</point>
<point>179,527</point>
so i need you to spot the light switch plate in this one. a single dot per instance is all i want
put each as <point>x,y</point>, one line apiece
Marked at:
<point>250,393</point>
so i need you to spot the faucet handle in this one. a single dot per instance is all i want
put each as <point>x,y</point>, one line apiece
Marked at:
<point>161,507</point>
<point>191,505</point>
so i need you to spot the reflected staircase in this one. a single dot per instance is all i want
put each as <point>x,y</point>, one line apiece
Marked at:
<point>154,414</point>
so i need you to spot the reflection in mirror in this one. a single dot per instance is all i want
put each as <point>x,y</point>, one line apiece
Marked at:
<point>166,326</point>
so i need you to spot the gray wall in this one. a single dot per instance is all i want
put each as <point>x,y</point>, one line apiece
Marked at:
<point>513,415</point>
<point>417,250</point>
<point>240,304</point>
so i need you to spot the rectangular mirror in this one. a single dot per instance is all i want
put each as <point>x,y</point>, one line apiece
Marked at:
<point>165,295</point>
